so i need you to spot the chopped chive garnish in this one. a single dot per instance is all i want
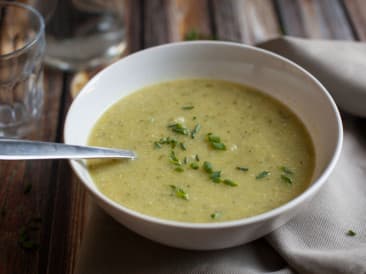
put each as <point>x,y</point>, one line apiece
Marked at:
<point>173,142</point>
<point>194,165</point>
<point>216,176</point>
<point>215,215</point>
<point>242,168</point>
<point>183,146</point>
<point>196,129</point>
<point>25,231</point>
<point>351,233</point>
<point>207,166</point>
<point>179,169</point>
<point>187,107</point>
<point>173,159</point>
<point>157,145</point>
<point>286,179</point>
<point>197,158</point>
<point>27,188</point>
<point>166,140</point>
<point>286,170</point>
<point>185,160</point>
<point>179,128</point>
<point>218,146</point>
<point>180,193</point>
<point>213,138</point>
<point>192,35</point>
<point>230,182</point>
<point>215,142</point>
<point>262,175</point>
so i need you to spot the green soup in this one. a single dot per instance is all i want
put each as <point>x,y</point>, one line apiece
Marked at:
<point>208,151</point>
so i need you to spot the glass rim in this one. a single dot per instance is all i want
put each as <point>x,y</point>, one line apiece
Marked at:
<point>34,40</point>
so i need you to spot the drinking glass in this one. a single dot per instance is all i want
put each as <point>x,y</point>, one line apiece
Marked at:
<point>22,46</point>
<point>83,34</point>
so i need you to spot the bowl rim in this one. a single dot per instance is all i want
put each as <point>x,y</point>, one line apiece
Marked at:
<point>309,192</point>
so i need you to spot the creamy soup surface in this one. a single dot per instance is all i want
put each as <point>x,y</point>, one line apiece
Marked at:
<point>208,151</point>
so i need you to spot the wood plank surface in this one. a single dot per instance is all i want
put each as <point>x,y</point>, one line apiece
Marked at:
<point>69,207</point>
<point>325,19</point>
<point>257,20</point>
<point>247,21</point>
<point>155,28</point>
<point>134,25</point>
<point>357,15</point>
<point>18,207</point>
<point>186,17</point>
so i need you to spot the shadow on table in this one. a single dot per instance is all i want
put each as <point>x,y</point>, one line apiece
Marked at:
<point>108,247</point>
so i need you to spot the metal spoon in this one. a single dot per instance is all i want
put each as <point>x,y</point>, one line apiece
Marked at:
<point>14,149</point>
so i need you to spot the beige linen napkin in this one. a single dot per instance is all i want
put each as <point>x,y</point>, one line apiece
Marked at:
<point>339,65</point>
<point>316,241</point>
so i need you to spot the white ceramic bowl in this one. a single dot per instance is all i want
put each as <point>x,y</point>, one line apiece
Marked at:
<point>268,72</point>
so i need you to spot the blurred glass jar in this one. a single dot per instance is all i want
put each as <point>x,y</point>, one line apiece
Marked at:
<point>83,34</point>
<point>22,45</point>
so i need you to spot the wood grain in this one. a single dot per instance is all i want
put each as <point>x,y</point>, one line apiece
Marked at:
<point>20,207</point>
<point>248,21</point>
<point>225,20</point>
<point>324,19</point>
<point>257,20</point>
<point>134,25</point>
<point>185,16</point>
<point>155,29</point>
<point>357,15</point>
<point>67,214</point>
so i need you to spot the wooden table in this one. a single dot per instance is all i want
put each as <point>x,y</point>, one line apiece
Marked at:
<point>48,193</point>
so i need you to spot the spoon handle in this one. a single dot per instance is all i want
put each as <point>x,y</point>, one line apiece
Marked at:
<point>14,149</point>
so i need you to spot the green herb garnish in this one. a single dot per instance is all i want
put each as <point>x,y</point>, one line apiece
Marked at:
<point>187,107</point>
<point>242,168</point>
<point>183,146</point>
<point>215,215</point>
<point>351,233</point>
<point>157,145</point>
<point>179,128</point>
<point>215,142</point>
<point>185,160</point>
<point>207,166</point>
<point>286,179</point>
<point>192,35</point>
<point>262,175</point>
<point>216,176</point>
<point>25,232</point>
<point>213,138</point>
<point>194,165</point>
<point>196,129</point>
<point>195,35</point>
<point>230,182</point>
<point>180,193</point>
<point>179,169</point>
<point>286,170</point>
<point>197,158</point>
<point>27,188</point>
<point>173,159</point>
<point>166,140</point>
<point>218,146</point>
<point>172,141</point>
